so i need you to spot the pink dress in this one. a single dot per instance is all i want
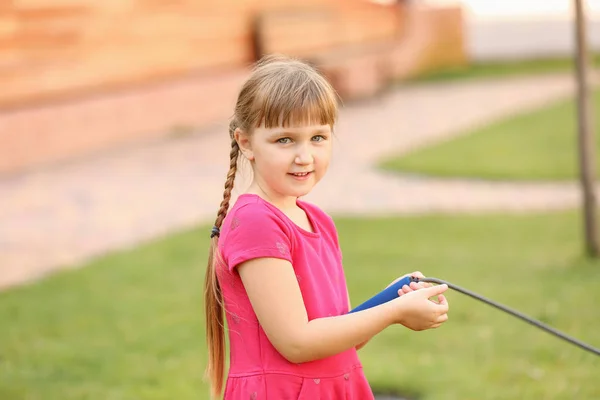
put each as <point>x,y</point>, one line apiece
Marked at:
<point>255,228</point>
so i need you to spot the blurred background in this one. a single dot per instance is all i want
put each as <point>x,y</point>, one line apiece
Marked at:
<point>456,155</point>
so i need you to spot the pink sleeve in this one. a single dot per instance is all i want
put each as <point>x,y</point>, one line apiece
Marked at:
<point>256,232</point>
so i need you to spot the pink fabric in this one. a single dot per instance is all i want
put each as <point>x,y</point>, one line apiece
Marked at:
<point>254,228</point>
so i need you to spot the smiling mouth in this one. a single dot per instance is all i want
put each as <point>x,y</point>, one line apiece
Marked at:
<point>300,173</point>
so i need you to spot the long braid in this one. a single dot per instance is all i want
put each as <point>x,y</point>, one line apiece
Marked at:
<point>213,296</point>
<point>233,156</point>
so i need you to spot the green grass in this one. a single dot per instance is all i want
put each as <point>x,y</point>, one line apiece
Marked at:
<point>538,145</point>
<point>502,69</point>
<point>129,325</point>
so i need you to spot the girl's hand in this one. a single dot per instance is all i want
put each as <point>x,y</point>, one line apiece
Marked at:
<point>416,311</point>
<point>413,285</point>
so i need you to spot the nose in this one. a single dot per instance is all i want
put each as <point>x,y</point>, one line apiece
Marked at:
<point>304,155</point>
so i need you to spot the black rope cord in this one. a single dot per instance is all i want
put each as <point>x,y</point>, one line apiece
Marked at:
<point>515,313</point>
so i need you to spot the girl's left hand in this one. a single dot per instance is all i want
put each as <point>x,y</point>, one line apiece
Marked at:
<point>413,285</point>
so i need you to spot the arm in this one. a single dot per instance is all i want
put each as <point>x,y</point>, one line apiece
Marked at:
<point>277,301</point>
<point>360,345</point>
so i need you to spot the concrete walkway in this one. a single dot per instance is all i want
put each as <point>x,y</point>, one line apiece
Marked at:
<point>61,216</point>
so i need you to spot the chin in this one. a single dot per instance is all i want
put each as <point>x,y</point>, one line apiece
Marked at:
<point>297,192</point>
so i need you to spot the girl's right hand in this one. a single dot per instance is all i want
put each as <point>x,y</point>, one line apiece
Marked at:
<point>416,311</point>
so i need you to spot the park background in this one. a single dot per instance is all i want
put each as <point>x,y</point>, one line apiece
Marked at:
<point>456,155</point>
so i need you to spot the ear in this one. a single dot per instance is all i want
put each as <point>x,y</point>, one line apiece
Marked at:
<point>243,140</point>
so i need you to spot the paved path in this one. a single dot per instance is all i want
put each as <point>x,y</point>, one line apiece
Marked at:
<point>65,214</point>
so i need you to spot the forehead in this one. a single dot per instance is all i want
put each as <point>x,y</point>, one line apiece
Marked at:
<point>302,129</point>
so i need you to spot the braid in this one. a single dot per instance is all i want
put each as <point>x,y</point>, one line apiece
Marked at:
<point>213,297</point>
<point>233,157</point>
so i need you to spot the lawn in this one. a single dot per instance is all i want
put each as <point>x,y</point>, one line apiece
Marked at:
<point>129,325</point>
<point>496,69</point>
<point>539,145</point>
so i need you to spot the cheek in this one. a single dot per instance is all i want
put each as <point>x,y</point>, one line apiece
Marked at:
<point>268,159</point>
<point>323,155</point>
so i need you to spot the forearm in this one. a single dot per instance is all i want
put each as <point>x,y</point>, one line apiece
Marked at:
<point>360,345</point>
<point>324,337</point>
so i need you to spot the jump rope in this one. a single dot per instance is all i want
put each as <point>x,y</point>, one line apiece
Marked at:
<point>391,293</point>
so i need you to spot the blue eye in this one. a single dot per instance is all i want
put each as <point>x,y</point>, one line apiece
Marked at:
<point>318,138</point>
<point>284,140</point>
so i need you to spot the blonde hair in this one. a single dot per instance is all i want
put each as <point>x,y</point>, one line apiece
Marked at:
<point>280,91</point>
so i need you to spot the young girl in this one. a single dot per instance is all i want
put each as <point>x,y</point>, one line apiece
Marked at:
<point>275,265</point>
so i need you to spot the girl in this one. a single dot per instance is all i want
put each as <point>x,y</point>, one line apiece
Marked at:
<point>275,265</point>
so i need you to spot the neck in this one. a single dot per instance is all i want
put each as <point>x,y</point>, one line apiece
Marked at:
<point>279,201</point>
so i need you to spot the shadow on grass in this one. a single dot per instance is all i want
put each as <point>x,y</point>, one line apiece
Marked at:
<point>394,395</point>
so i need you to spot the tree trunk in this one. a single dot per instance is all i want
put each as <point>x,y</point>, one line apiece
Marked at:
<point>587,164</point>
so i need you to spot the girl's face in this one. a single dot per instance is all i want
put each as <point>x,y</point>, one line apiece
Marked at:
<point>287,162</point>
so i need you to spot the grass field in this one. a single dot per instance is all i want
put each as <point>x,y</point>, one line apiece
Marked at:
<point>539,145</point>
<point>130,325</point>
<point>503,69</point>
